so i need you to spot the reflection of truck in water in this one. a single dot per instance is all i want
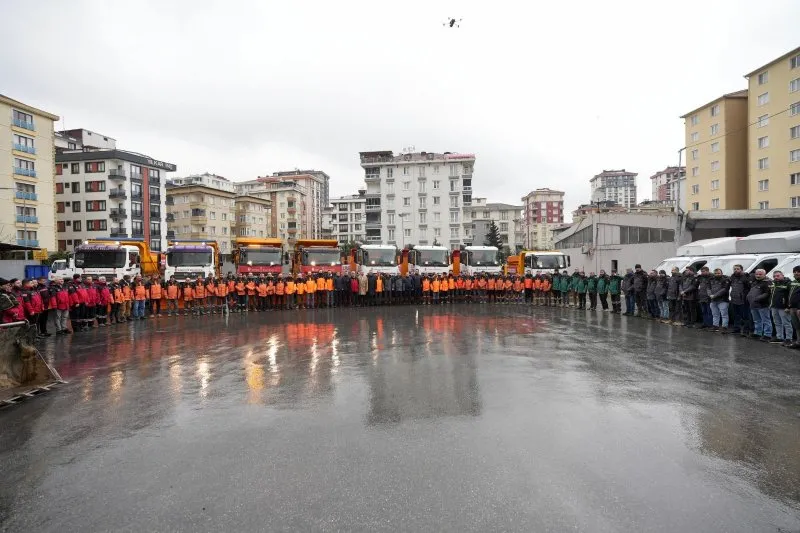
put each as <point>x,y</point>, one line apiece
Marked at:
<point>480,260</point>
<point>253,255</point>
<point>533,261</point>
<point>316,255</point>
<point>192,260</point>
<point>115,258</point>
<point>430,259</point>
<point>375,258</point>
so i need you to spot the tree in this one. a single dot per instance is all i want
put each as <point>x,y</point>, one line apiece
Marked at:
<point>493,237</point>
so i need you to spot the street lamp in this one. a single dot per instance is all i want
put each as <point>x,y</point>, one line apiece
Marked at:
<point>24,216</point>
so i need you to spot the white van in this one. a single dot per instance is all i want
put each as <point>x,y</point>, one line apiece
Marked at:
<point>682,263</point>
<point>778,242</point>
<point>749,262</point>
<point>786,266</point>
<point>709,247</point>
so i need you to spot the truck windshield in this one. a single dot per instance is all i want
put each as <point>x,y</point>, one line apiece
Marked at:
<point>726,264</point>
<point>184,258</point>
<point>548,262</point>
<point>100,259</point>
<point>483,258</point>
<point>433,257</point>
<point>669,264</point>
<point>318,256</point>
<point>261,257</point>
<point>379,257</point>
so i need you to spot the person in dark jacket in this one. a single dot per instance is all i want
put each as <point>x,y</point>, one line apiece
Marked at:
<point>673,296</point>
<point>652,301</point>
<point>703,280</point>
<point>739,310</point>
<point>602,289</point>
<point>640,290</point>
<point>758,300</point>
<point>661,296</point>
<point>779,307</point>
<point>630,295</point>
<point>688,295</point>
<point>718,288</point>
<point>794,305</point>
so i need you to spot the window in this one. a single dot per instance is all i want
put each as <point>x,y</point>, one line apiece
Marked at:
<point>486,214</point>
<point>76,225</point>
<point>695,154</point>
<point>453,217</point>
<point>60,207</point>
<point>454,201</point>
<point>455,170</point>
<point>695,120</point>
<point>714,147</point>
<point>390,187</point>
<point>763,99</point>
<point>61,226</point>
<point>695,206</point>
<point>763,205</point>
<point>763,120</point>
<point>391,234</point>
<point>423,204</point>
<point>504,226</point>
<point>794,62</point>
<point>436,184</point>
<point>214,215</point>
<point>390,202</point>
<point>94,167</point>
<point>437,232</point>
<point>76,207</point>
<point>794,201</point>
<point>695,171</point>
<point>714,129</point>
<point>95,186</point>
<point>96,225</point>
<point>794,85</point>
<point>389,172</point>
<point>24,144</point>
<point>763,78</point>
<point>436,200</point>
<point>136,172</point>
<point>453,233</point>
<point>95,205</point>
<point>406,171</point>
<point>423,218</point>
<point>390,218</point>
<point>421,171</point>
<point>23,120</point>
<point>75,168</point>
<point>406,185</point>
<point>714,185</point>
<point>695,189</point>
<point>763,163</point>
<point>794,179</point>
<point>715,110</point>
<point>763,185</point>
<point>714,166</point>
<point>504,215</point>
<point>794,109</point>
<point>59,188</point>
<point>60,169</point>
<point>763,142</point>
<point>136,210</point>
<point>421,185</point>
<point>435,169</point>
<point>225,217</point>
<point>794,132</point>
<point>406,202</point>
<point>715,203</point>
<point>695,137</point>
<point>407,232</point>
<point>794,156</point>
<point>26,167</point>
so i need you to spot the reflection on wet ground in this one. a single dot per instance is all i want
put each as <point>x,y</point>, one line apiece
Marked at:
<point>469,418</point>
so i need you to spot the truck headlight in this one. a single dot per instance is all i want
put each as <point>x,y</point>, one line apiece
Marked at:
<point>313,263</point>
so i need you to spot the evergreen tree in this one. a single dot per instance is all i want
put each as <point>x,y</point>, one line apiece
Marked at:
<point>493,237</point>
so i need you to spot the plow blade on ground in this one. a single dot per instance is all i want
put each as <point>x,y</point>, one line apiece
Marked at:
<point>23,370</point>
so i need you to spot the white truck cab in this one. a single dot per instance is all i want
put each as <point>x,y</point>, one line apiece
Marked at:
<point>376,259</point>
<point>480,260</point>
<point>430,259</point>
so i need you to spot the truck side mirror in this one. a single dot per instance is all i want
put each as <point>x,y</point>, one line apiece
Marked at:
<point>568,264</point>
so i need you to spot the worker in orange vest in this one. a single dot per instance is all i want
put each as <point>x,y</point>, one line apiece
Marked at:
<point>261,293</point>
<point>155,288</point>
<point>291,292</point>
<point>199,296</point>
<point>222,297</point>
<point>270,292</point>
<point>172,291</point>
<point>311,292</point>
<point>127,298</point>
<point>329,290</point>
<point>250,287</point>
<point>436,285</point>
<point>188,298</point>
<point>241,295</point>
<point>140,297</point>
<point>426,291</point>
<point>211,294</point>
<point>300,291</point>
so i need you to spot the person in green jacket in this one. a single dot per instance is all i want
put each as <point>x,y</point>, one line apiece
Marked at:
<point>564,288</point>
<point>614,288</point>
<point>591,289</point>
<point>580,290</point>
<point>602,289</point>
<point>573,288</point>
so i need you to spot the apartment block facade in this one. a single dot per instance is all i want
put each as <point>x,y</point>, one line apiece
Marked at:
<point>291,213</point>
<point>417,197</point>
<point>614,186</point>
<point>27,175</point>
<point>347,218</point>
<point>196,211</point>
<point>543,212</point>
<point>665,184</point>
<point>108,192</point>
<point>508,218</point>
<point>773,145</point>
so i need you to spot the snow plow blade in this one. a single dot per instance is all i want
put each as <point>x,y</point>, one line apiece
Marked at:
<point>23,370</point>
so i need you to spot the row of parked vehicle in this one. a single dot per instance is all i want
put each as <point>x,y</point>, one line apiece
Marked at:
<point>774,252</point>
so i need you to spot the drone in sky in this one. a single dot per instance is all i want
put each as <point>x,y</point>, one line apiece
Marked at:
<point>451,22</point>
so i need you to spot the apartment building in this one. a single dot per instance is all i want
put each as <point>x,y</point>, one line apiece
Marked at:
<point>348,218</point>
<point>108,192</point>
<point>716,153</point>
<point>773,145</point>
<point>316,190</point>
<point>509,219</point>
<point>27,175</point>
<point>665,184</point>
<point>614,186</point>
<point>197,211</point>
<point>417,197</point>
<point>206,179</point>
<point>543,213</point>
<point>290,216</point>
<point>252,216</point>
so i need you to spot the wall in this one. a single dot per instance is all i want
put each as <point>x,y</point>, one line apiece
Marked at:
<point>15,268</point>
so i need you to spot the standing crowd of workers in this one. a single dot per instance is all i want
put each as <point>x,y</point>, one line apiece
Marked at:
<point>752,306</point>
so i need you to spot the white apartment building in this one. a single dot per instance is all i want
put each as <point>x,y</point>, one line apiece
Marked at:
<point>206,180</point>
<point>348,217</point>
<point>417,198</point>
<point>107,192</point>
<point>508,218</point>
<point>26,175</point>
<point>615,186</point>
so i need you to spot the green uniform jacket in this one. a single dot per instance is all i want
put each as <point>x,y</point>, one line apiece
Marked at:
<point>614,285</point>
<point>602,285</point>
<point>591,284</point>
<point>573,282</point>
<point>580,285</point>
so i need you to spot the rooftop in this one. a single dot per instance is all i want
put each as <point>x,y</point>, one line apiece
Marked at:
<point>735,94</point>
<point>787,55</point>
<point>124,155</point>
<point>387,156</point>
<point>25,107</point>
<point>668,170</point>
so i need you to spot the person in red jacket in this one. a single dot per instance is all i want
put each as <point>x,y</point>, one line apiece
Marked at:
<point>60,303</point>
<point>89,302</point>
<point>47,299</point>
<point>104,299</point>
<point>353,290</point>
<point>76,303</point>
<point>30,303</point>
<point>11,308</point>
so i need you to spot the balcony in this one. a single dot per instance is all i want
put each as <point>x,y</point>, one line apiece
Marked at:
<point>31,243</point>
<point>372,208</point>
<point>170,200</point>
<point>467,188</point>
<point>118,214</point>
<point>291,210</point>
<point>136,195</point>
<point>119,232</point>
<point>117,175</point>
<point>155,233</point>
<point>136,176</point>
<point>136,213</point>
<point>371,238</point>
<point>291,230</point>
<point>120,194</point>
<point>155,181</point>
<point>170,217</point>
<point>372,225</point>
<point>137,233</point>
<point>23,148</point>
<point>155,216</point>
<point>27,219</point>
<point>155,197</point>
<point>24,124</point>
<point>25,172</point>
<point>22,195</point>
<point>372,177</point>
<point>170,234</point>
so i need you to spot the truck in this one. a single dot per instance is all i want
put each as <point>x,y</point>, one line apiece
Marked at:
<point>315,256</point>
<point>115,258</point>
<point>532,261</point>
<point>255,255</point>
<point>62,268</point>
<point>374,258</point>
<point>191,260</point>
<point>430,259</point>
<point>476,260</point>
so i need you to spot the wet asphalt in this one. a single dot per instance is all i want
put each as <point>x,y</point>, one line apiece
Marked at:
<point>468,418</point>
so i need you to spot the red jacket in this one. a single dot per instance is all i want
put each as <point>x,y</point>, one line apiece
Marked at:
<point>61,299</point>
<point>14,314</point>
<point>104,295</point>
<point>90,295</point>
<point>45,296</point>
<point>354,285</point>
<point>75,295</point>
<point>32,302</point>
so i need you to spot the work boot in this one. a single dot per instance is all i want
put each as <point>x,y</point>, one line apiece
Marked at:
<point>775,340</point>
<point>724,331</point>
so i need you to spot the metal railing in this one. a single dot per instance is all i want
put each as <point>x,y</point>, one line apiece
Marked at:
<point>22,195</point>
<point>25,172</point>
<point>32,243</point>
<point>116,174</point>
<point>24,148</point>
<point>29,219</point>
<point>24,124</point>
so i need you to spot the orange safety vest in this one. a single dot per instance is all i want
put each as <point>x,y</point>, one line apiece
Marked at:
<point>126,293</point>
<point>172,292</point>
<point>320,284</point>
<point>199,291</point>
<point>311,286</point>
<point>426,285</point>
<point>507,285</point>
<point>240,288</point>
<point>517,285</point>
<point>222,290</point>
<point>270,288</point>
<point>211,289</point>
<point>537,284</point>
<point>251,288</point>
<point>528,283</point>
<point>188,294</point>
<point>491,284</point>
<point>140,293</point>
<point>262,290</point>
<point>546,285</point>
<point>379,284</point>
<point>468,284</point>
<point>481,283</point>
<point>329,284</point>
<point>451,284</point>
<point>279,288</point>
<point>460,283</point>
<point>155,291</point>
<point>436,284</point>
<point>231,285</point>
<point>443,285</point>
<point>300,287</point>
<point>117,295</point>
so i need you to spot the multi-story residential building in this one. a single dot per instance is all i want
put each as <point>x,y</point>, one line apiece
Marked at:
<point>666,183</point>
<point>509,219</point>
<point>716,153</point>
<point>196,211</point>
<point>315,183</point>
<point>208,180</point>
<point>348,218</point>
<point>80,139</point>
<point>616,186</point>
<point>417,198</point>
<point>26,175</point>
<point>543,212</point>
<point>327,222</point>
<point>290,213</point>
<point>252,216</point>
<point>773,145</point>
<point>102,192</point>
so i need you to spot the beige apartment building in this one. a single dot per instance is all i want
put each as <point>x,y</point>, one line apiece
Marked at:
<point>774,143</point>
<point>200,213</point>
<point>716,154</point>
<point>291,213</point>
<point>27,174</point>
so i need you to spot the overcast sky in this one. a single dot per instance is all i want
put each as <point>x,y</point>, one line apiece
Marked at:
<point>546,95</point>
